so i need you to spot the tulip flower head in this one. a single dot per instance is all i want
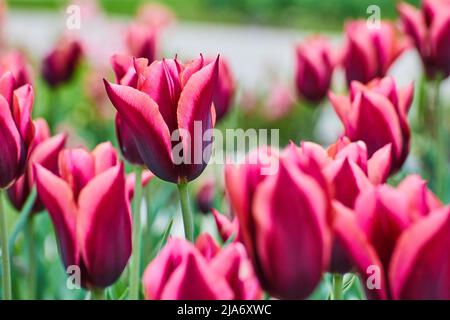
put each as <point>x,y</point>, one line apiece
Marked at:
<point>141,40</point>
<point>369,52</point>
<point>168,113</point>
<point>429,30</point>
<point>44,150</point>
<point>377,114</point>
<point>17,132</point>
<point>89,207</point>
<point>16,63</point>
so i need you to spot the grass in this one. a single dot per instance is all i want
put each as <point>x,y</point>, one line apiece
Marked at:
<point>310,14</point>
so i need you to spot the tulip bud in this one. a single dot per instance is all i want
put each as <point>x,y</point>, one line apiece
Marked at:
<point>59,65</point>
<point>314,69</point>
<point>429,30</point>
<point>369,52</point>
<point>90,212</point>
<point>205,197</point>
<point>17,128</point>
<point>170,101</point>
<point>377,115</point>
<point>141,40</point>
<point>44,150</point>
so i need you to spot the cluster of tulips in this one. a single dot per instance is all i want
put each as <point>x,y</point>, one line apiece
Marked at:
<point>332,210</point>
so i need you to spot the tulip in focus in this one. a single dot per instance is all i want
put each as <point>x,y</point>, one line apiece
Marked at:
<point>88,205</point>
<point>44,150</point>
<point>369,52</point>
<point>285,233</point>
<point>168,100</point>
<point>60,64</point>
<point>430,32</point>
<point>377,114</point>
<point>314,69</point>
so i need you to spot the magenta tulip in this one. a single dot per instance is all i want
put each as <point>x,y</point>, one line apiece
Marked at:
<point>17,131</point>
<point>205,197</point>
<point>90,211</point>
<point>315,64</point>
<point>286,233</point>
<point>141,40</point>
<point>226,227</point>
<point>16,63</point>
<point>44,150</point>
<point>59,65</point>
<point>377,115</point>
<point>369,52</point>
<point>420,261</point>
<point>429,29</point>
<point>170,101</point>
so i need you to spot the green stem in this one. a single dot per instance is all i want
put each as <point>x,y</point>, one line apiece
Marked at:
<point>32,259</point>
<point>337,286</point>
<point>98,294</point>
<point>7,295</point>
<point>186,210</point>
<point>441,160</point>
<point>136,256</point>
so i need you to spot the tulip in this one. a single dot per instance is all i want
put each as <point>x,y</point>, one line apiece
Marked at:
<point>142,41</point>
<point>314,68</point>
<point>59,65</point>
<point>17,134</point>
<point>44,150</point>
<point>420,261</point>
<point>182,271</point>
<point>225,88</point>
<point>226,227</point>
<point>88,205</point>
<point>429,30</point>
<point>16,63</point>
<point>205,197</point>
<point>156,15</point>
<point>286,233</point>
<point>369,52</point>
<point>279,102</point>
<point>377,115</point>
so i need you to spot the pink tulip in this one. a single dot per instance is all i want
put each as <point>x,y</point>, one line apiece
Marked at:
<point>369,52</point>
<point>420,261</point>
<point>44,150</point>
<point>16,63</point>
<point>17,131</point>
<point>170,98</point>
<point>377,115</point>
<point>315,64</point>
<point>279,102</point>
<point>226,227</point>
<point>90,211</point>
<point>59,65</point>
<point>156,15</point>
<point>225,88</point>
<point>286,233</point>
<point>429,31</point>
<point>142,41</point>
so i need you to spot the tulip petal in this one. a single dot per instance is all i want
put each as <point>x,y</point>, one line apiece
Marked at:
<point>104,227</point>
<point>105,157</point>
<point>77,168</point>
<point>379,165</point>
<point>413,23</point>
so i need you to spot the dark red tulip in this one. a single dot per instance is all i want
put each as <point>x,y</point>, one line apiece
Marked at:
<point>44,150</point>
<point>429,29</point>
<point>315,64</point>
<point>141,40</point>
<point>170,101</point>
<point>225,88</point>
<point>420,262</point>
<point>17,131</point>
<point>369,52</point>
<point>286,233</point>
<point>90,211</point>
<point>377,115</point>
<point>59,65</point>
<point>205,197</point>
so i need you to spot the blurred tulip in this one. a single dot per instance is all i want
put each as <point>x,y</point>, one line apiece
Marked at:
<point>142,41</point>
<point>182,271</point>
<point>314,69</point>
<point>169,99</point>
<point>377,115</point>
<point>420,262</point>
<point>205,197</point>
<point>156,15</point>
<point>369,52</point>
<point>16,63</point>
<point>17,131</point>
<point>279,103</point>
<point>225,227</point>
<point>429,30</point>
<point>289,228</point>
<point>90,211</point>
<point>59,65</point>
<point>44,150</point>
<point>225,88</point>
